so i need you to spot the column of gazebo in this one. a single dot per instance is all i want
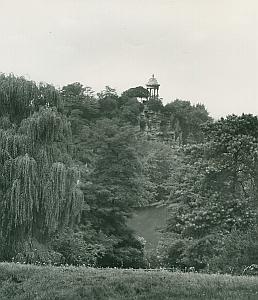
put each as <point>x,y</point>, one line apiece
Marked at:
<point>153,92</point>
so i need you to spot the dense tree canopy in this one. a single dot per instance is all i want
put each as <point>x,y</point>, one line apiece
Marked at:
<point>75,164</point>
<point>215,190</point>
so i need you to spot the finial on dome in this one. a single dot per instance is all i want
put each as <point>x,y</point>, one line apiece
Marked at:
<point>153,81</point>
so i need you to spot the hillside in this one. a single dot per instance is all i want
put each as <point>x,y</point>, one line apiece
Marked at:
<point>20,282</point>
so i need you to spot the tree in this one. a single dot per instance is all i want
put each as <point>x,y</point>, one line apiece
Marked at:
<point>218,185</point>
<point>19,97</point>
<point>108,102</point>
<point>130,111</point>
<point>107,92</point>
<point>38,180</point>
<point>115,186</point>
<point>187,119</point>
<point>112,187</point>
<point>214,191</point>
<point>238,254</point>
<point>80,105</point>
<point>233,155</point>
<point>81,108</point>
<point>137,92</point>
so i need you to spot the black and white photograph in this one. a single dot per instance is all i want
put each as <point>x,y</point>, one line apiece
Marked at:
<point>128,149</point>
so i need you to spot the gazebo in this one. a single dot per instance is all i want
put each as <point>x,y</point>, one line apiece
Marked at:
<point>153,87</point>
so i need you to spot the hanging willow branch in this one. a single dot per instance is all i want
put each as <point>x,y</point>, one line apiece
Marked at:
<point>38,186</point>
<point>54,196</point>
<point>16,96</point>
<point>23,197</point>
<point>46,126</point>
<point>74,197</point>
<point>62,199</point>
<point>19,97</point>
<point>14,144</point>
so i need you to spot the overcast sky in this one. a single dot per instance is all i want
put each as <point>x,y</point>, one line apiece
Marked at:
<point>199,50</point>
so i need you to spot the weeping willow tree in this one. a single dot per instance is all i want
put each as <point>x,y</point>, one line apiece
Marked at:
<point>19,97</point>
<point>39,192</point>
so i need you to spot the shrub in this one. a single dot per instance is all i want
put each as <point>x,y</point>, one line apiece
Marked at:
<point>175,251</point>
<point>76,250</point>
<point>152,259</point>
<point>198,251</point>
<point>170,250</point>
<point>126,252</point>
<point>35,253</point>
<point>238,251</point>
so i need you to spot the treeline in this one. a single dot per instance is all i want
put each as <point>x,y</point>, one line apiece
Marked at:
<point>74,164</point>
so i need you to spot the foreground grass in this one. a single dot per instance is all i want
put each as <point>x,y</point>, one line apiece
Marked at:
<point>71,283</point>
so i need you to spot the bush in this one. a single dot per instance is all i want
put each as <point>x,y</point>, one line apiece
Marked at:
<point>123,257</point>
<point>152,259</point>
<point>35,253</point>
<point>182,253</point>
<point>238,251</point>
<point>170,250</point>
<point>126,252</point>
<point>76,250</point>
<point>89,247</point>
<point>198,252</point>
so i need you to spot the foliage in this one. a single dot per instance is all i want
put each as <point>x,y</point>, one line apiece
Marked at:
<point>155,105</point>
<point>114,187</point>
<point>233,156</point>
<point>215,189</point>
<point>186,119</point>
<point>239,250</point>
<point>126,252</point>
<point>137,92</point>
<point>19,97</point>
<point>80,105</point>
<point>175,251</point>
<point>209,215</point>
<point>130,111</point>
<point>108,102</point>
<point>35,253</point>
<point>71,157</point>
<point>111,186</point>
<point>170,250</point>
<point>91,248</point>
<point>81,247</point>
<point>38,181</point>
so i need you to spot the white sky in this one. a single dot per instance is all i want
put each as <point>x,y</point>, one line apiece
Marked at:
<point>199,50</point>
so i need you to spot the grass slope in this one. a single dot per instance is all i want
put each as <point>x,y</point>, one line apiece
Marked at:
<point>71,283</point>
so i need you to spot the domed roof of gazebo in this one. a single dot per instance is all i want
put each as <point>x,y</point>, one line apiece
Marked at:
<point>152,81</point>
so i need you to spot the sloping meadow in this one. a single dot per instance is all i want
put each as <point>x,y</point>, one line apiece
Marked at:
<point>37,282</point>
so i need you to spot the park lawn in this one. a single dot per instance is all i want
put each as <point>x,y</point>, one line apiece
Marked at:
<point>55,283</point>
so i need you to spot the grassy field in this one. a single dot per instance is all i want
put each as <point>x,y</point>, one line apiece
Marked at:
<point>71,283</point>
